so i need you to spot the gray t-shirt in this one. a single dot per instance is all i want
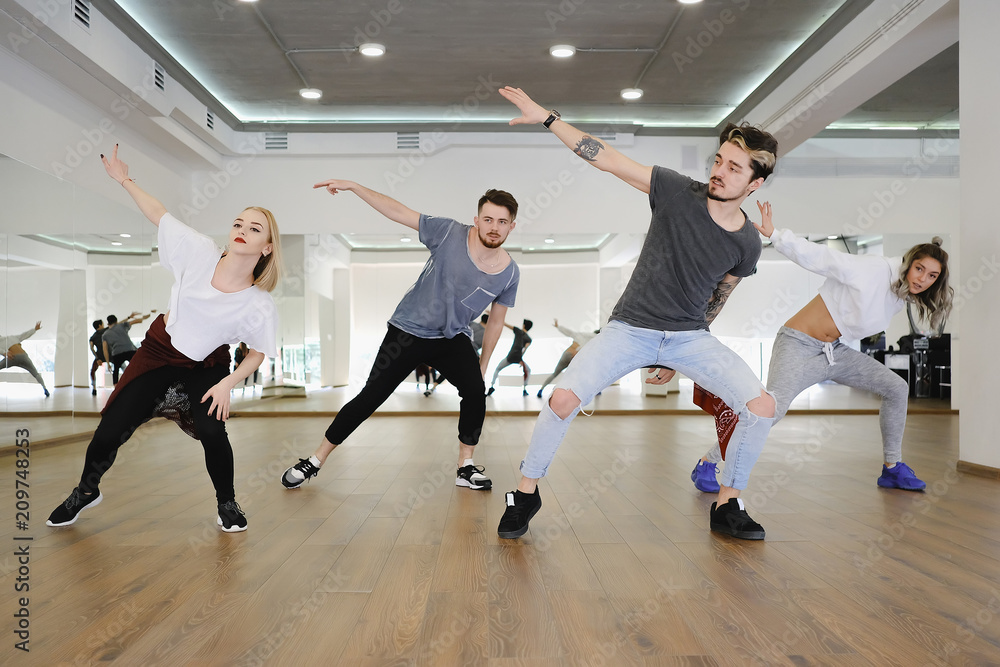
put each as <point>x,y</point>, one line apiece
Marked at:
<point>451,291</point>
<point>685,256</point>
<point>117,338</point>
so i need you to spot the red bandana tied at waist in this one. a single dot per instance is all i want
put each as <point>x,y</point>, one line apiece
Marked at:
<point>157,351</point>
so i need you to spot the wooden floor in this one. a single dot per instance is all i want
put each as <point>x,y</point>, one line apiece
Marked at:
<point>381,560</point>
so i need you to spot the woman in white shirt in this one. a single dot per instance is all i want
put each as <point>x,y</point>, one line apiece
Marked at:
<point>859,298</point>
<point>181,371</point>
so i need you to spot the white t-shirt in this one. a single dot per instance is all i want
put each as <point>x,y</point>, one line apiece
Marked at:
<point>856,290</point>
<point>201,317</point>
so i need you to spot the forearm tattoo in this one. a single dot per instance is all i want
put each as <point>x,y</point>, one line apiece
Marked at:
<point>718,300</point>
<point>588,148</point>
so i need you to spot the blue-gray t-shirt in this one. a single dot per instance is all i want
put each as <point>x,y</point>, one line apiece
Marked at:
<point>451,291</point>
<point>684,257</point>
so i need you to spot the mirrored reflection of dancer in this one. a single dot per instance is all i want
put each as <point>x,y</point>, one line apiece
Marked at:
<point>14,356</point>
<point>466,273</point>
<point>516,355</point>
<point>580,339</point>
<point>97,349</point>
<point>860,296</point>
<point>118,346</point>
<point>181,370</point>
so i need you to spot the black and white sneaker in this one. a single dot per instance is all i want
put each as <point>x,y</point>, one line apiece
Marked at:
<point>67,513</point>
<point>520,508</point>
<point>231,517</point>
<point>472,476</point>
<point>732,519</point>
<point>298,473</point>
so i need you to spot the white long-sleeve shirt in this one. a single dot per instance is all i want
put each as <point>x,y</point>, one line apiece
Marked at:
<point>856,290</point>
<point>7,341</point>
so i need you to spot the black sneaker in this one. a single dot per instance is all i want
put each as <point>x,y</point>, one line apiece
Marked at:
<point>490,392</point>
<point>473,477</point>
<point>732,519</point>
<point>298,473</point>
<point>231,517</point>
<point>520,508</point>
<point>67,513</point>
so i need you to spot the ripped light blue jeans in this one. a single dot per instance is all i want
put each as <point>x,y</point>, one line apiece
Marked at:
<point>620,349</point>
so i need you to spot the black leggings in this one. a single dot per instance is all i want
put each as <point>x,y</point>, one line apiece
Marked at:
<point>135,404</point>
<point>398,355</point>
<point>117,361</point>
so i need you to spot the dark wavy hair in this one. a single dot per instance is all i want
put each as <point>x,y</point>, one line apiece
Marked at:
<point>934,303</point>
<point>761,146</point>
<point>499,198</point>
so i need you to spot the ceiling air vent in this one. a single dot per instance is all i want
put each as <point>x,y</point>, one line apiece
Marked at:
<point>210,120</point>
<point>275,141</point>
<point>159,76</point>
<point>407,141</point>
<point>81,13</point>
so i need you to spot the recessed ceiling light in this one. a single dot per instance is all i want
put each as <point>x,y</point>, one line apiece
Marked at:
<point>248,0</point>
<point>116,243</point>
<point>631,93</point>
<point>125,236</point>
<point>832,238</point>
<point>562,50</point>
<point>311,93</point>
<point>550,240</point>
<point>689,2</point>
<point>406,239</point>
<point>371,49</point>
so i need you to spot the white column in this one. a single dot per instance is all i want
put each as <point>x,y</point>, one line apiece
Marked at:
<point>977,361</point>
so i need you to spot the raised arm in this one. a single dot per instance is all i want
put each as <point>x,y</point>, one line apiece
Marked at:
<point>387,206</point>
<point>147,203</point>
<point>591,149</point>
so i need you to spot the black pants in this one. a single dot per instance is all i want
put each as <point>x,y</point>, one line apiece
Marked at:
<point>397,357</point>
<point>135,404</point>
<point>118,360</point>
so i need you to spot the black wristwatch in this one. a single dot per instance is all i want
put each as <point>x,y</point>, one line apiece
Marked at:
<point>553,117</point>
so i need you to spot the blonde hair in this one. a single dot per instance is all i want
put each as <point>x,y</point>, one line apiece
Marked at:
<point>934,303</point>
<point>268,270</point>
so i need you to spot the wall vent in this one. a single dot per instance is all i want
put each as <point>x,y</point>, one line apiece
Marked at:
<point>210,120</point>
<point>275,141</point>
<point>81,13</point>
<point>159,76</point>
<point>408,141</point>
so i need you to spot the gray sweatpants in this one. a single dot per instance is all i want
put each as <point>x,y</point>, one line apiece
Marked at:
<point>564,360</point>
<point>799,361</point>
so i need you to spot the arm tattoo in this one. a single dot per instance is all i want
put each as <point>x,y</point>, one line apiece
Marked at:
<point>588,148</point>
<point>718,300</point>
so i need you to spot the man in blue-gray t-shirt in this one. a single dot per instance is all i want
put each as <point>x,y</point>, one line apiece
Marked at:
<point>467,272</point>
<point>700,244</point>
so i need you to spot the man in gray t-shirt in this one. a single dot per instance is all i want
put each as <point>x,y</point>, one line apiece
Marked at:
<point>467,273</point>
<point>700,244</point>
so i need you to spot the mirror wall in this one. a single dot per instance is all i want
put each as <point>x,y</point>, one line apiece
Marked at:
<point>68,257</point>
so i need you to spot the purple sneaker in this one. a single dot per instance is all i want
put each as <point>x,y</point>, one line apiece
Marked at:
<point>900,476</point>
<point>703,477</point>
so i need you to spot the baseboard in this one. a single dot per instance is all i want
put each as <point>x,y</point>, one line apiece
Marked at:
<point>978,470</point>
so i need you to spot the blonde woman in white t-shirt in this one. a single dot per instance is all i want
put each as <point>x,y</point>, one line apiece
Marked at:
<point>859,298</point>
<point>181,371</point>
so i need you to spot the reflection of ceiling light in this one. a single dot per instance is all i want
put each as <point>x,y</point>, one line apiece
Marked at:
<point>832,238</point>
<point>311,93</point>
<point>896,127</point>
<point>248,0</point>
<point>125,236</point>
<point>550,240</point>
<point>562,50</point>
<point>406,239</point>
<point>371,49</point>
<point>116,243</point>
<point>631,93</point>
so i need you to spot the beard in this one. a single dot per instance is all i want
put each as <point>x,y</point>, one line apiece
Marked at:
<point>487,242</point>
